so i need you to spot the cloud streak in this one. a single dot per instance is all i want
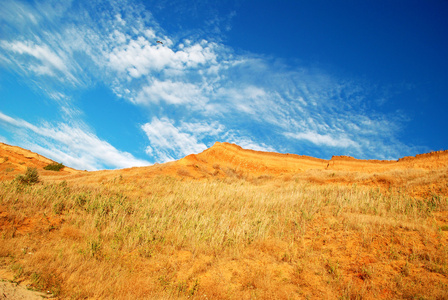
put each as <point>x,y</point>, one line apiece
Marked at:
<point>50,62</point>
<point>325,140</point>
<point>73,145</point>
<point>167,141</point>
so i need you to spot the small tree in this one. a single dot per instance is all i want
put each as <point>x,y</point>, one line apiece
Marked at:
<point>54,167</point>
<point>31,176</point>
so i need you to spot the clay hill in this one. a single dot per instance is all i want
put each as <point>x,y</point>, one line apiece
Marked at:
<point>229,160</point>
<point>227,223</point>
<point>15,160</point>
<point>419,175</point>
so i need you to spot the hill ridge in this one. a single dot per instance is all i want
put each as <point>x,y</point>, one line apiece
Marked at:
<point>14,160</point>
<point>233,156</point>
<point>258,162</point>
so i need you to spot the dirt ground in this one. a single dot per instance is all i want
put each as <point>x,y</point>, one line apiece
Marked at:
<point>17,289</point>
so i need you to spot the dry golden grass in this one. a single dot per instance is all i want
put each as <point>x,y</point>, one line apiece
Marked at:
<point>240,237</point>
<point>229,224</point>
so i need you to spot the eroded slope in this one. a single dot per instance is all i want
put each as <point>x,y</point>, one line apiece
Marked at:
<point>15,160</point>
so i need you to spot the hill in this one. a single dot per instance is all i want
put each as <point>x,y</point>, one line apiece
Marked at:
<point>419,175</point>
<point>225,160</point>
<point>229,223</point>
<point>14,160</point>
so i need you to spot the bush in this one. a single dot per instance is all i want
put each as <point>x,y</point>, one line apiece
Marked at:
<point>31,176</point>
<point>54,167</point>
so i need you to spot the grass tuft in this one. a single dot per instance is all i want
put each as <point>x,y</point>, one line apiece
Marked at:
<point>54,167</point>
<point>31,176</point>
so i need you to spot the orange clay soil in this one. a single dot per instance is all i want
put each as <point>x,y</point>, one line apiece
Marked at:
<point>420,175</point>
<point>15,160</point>
<point>229,160</point>
<point>259,163</point>
<point>330,251</point>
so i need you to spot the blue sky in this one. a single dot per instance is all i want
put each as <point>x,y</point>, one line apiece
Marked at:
<point>86,83</point>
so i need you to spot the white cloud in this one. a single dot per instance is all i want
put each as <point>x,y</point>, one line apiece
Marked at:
<point>203,129</point>
<point>247,99</point>
<point>141,56</point>
<point>168,142</point>
<point>46,61</point>
<point>170,93</point>
<point>249,144</point>
<point>73,145</point>
<point>323,139</point>
<point>22,13</point>
<point>42,53</point>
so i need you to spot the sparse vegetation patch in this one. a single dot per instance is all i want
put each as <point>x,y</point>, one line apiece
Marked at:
<point>31,176</point>
<point>54,167</point>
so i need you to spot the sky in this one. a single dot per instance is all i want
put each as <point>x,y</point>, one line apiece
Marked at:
<point>87,83</point>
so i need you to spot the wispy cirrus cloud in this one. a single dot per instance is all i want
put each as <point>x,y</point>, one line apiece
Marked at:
<point>166,142</point>
<point>75,146</point>
<point>169,92</point>
<point>325,140</point>
<point>50,62</point>
<point>170,139</point>
<point>194,90</point>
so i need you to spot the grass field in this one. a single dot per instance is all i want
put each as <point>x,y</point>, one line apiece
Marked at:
<point>232,238</point>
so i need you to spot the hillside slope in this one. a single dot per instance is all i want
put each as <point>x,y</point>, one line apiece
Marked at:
<point>15,160</point>
<point>268,163</point>
<point>420,175</point>
<point>229,223</point>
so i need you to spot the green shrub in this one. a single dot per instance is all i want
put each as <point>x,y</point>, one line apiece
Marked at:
<point>54,167</point>
<point>31,176</point>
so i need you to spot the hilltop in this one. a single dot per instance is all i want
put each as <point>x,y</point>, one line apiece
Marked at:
<point>230,160</point>
<point>420,175</point>
<point>228,223</point>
